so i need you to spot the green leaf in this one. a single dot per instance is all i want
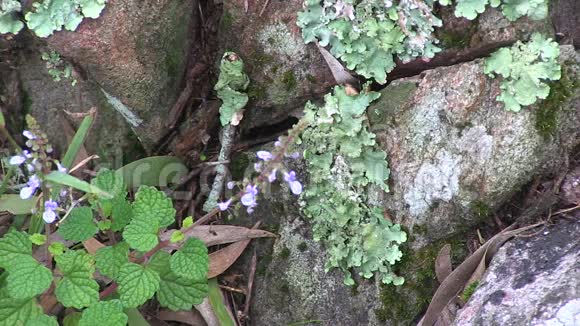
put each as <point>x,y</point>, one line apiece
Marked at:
<point>37,239</point>
<point>15,311</point>
<point>104,225</point>
<point>121,215</point>
<point>72,319</point>
<point>77,141</point>
<point>137,284</point>
<point>141,234</point>
<point>110,259</point>
<point>177,236</point>
<point>108,313</point>
<point>69,180</point>
<point>79,225</point>
<point>191,261</point>
<point>15,205</point>
<point>77,288</point>
<point>113,184</point>
<point>157,171</point>
<point>136,318</point>
<point>42,320</point>
<point>176,293</point>
<point>151,204</point>
<point>27,278</point>
<point>217,304</point>
<point>56,248</point>
<point>13,245</point>
<point>187,222</point>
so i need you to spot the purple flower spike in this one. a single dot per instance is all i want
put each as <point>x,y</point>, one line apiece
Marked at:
<point>224,205</point>
<point>272,176</point>
<point>249,198</point>
<point>264,155</point>
<point>28,135</point>
<point>295,185</point>
<point>49,214</point>
<point>250,209</point>
<point>33,184</point>
<point>17,160</point>
<point>295,155</point>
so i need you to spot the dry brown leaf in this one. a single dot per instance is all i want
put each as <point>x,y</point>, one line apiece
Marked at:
<point>207,313</point>
<point>213,235</point>
<point>443,263</point>
<point>340,74</point>
<point>222,259</point>
<point>92,245</point>
<point>190,317</point>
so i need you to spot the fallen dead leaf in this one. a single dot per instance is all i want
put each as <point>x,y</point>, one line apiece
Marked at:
<point>190,317</point>
<point>213,235</point>
<point>443,263</point>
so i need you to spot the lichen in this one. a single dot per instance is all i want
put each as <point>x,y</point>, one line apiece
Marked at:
<point>402,305</point>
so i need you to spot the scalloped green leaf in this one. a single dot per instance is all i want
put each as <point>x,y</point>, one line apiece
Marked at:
<point>176,293</point>
<point>42,320</point>
<point>109,260</point>
<point>17,311</point>
<point>141,234</point>
<point>79,225</point>
<point>137,284</point>
<point>152,204</point>
<point>121,215</point>
<point>77,288</point>
<point>108,313</point>
<point>12,245</point>
<point>191,261</point>
<point>112,183</point>
<point>27,278</point>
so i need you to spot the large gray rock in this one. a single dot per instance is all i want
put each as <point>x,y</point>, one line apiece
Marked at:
<point>531,281</point>
<point>456,154</point>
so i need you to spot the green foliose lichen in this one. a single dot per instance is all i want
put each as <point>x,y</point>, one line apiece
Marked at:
<point>342,160</point>
<point>512,9</point>
<point>232,83</point>
<point>368,34</point>
<point>525,69</point>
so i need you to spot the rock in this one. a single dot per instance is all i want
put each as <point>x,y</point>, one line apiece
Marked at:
<point>455,154</point>
<point>566,17</point>
<point>284,72</point>
<point>136,52</point>
<point>570,189</point>
<point>530,281</point>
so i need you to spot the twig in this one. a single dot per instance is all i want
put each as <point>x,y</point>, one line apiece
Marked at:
<point>231,289</point>
<point>228,133</point>
<point>264,7</point>
<point>250,286</point>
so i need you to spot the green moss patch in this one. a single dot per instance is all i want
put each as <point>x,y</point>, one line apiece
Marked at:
<point>549,109</point>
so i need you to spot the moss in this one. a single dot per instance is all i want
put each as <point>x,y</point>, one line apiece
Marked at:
<point>263,264</point>
<point>401,305</point>
<point>284,253</point>
<point>226,21</point>
<point>451,40</point>
<point>480,209</point>
<point>289,80</point>
<point>548,110</point>
<point>238,166</point>
<point>469,290</point>
<point>302,246</point>
<point>26,103</point>
<point>311,78</point>
<point>256,92</point>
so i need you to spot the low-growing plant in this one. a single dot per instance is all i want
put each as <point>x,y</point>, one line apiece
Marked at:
<point>57,68</point>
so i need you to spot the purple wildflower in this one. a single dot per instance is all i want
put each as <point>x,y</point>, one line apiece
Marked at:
<point>231,185</point>
<point>277,143</point>
<point>258,167</point>
<point>295,185</point>
<point>29,135</point>
<point>294,155</point>
<point>249,197</point>
<point>224,205</point>
<point>264,155</point>
<point>33,184</point>
<point>272,176</point>
<point>17,160</point>
<point>49,214</point>
<point>61,168</point>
